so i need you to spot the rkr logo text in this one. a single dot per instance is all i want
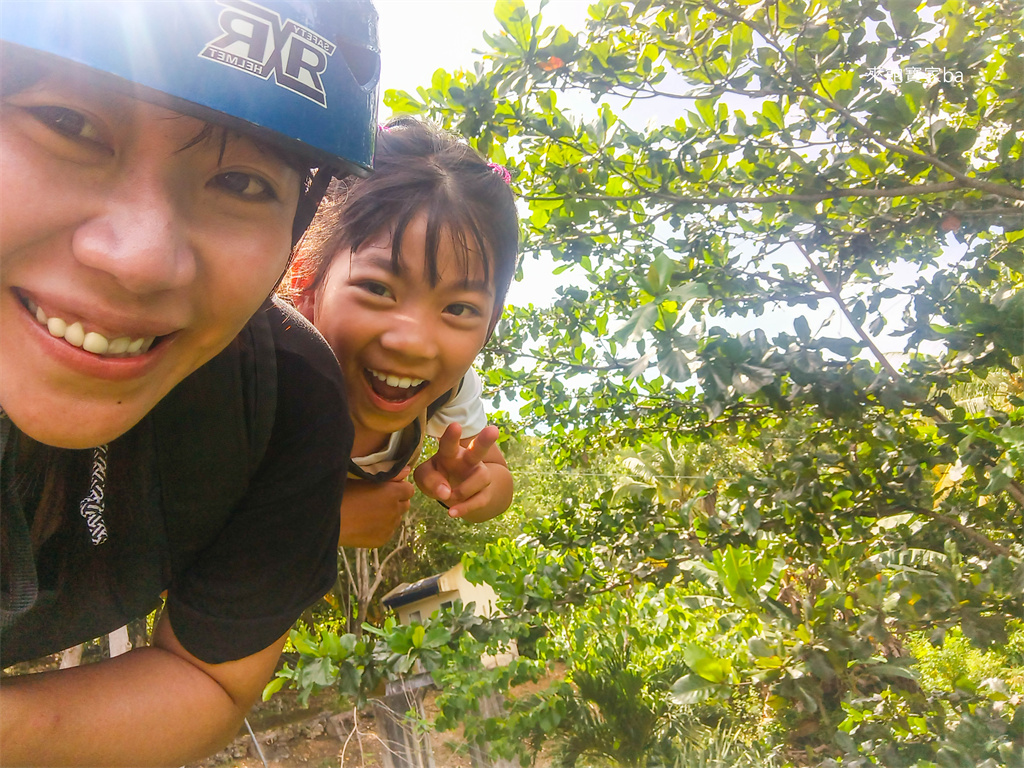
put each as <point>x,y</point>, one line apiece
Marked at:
<point>256,41</point>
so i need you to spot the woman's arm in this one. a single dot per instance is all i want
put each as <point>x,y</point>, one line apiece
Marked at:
<point>152,706</point>
<point>371,512</point>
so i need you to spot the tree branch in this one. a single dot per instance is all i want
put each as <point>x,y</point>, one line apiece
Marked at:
<point>817,197</point>
<point>1002,190</point>
<point>970,533</point>
<point>1014,488</point>
<point>833,291</point>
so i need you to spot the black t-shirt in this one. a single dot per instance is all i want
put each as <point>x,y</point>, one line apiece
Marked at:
<point>237,578</point>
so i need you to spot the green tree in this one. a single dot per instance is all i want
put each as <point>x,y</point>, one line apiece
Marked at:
<point>862,156</point>
<point>858,157</point>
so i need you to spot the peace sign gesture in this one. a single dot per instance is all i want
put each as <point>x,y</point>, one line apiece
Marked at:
<point>468,476</point>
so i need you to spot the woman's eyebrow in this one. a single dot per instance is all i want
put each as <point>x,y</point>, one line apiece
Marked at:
<point>288,158</point>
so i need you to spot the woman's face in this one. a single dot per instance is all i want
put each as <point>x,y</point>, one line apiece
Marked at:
<point>127,257</point>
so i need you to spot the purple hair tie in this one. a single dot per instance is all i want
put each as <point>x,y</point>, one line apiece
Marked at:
<point>502,171</point>
<point>383,128</point>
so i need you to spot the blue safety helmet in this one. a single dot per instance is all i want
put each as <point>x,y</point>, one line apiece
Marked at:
<point>302,75</point>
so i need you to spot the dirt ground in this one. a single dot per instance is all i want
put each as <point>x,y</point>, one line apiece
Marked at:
<point>325,735</point>
<point>320,736</point>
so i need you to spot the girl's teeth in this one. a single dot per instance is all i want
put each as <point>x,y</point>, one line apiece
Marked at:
<point>93,342</point>
<point>119,346</point>
<point>396,381</point>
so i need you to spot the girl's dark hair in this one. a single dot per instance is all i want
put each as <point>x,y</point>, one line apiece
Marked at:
<point>418,167</point>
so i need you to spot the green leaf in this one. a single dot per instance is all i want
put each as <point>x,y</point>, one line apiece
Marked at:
<point>773,114</point>
<point>759,647</point>
<point>437,637</point>
<point>418,634</point>
<point>641,321</point>
<point>715,670</point>
<point>273,687</point>
<point>706,110</point>
<point>303,644</point>
<point>687,292</point>
<point>675,365</point>
<point>802,327</point>
<point>692,689</point>
<point>515,19</point>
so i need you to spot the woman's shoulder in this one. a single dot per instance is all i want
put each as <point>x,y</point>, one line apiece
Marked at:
<point>296,341</point>
<point>276,381</point>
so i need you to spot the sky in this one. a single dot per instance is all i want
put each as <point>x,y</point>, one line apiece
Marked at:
<point>420,36</point>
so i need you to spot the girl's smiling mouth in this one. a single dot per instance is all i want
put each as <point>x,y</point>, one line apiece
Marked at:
<point>393,388</point>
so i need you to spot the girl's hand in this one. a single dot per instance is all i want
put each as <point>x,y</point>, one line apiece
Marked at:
<point>371,512</point>
<point>470,476</point>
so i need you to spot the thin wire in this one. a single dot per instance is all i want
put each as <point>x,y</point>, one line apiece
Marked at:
<point>259,751</point>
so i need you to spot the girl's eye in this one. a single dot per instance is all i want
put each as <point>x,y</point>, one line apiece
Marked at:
<point>66,122</point>
<point>245,185</point>
<point>375,288</point>
<point>462,310</point>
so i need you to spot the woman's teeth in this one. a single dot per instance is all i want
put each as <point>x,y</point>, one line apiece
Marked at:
<point>97,343</point>
<point>395,381</point>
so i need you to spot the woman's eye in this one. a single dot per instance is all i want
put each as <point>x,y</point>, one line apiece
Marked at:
<point>245,185</point>
<point>66,122</point>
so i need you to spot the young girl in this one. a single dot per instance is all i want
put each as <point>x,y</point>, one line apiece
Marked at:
<point>163,425</point>
<point>405,274</point>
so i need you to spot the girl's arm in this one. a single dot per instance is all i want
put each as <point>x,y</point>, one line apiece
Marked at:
<point>371,512</point>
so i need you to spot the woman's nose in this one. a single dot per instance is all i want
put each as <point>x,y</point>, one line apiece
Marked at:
<point>139,237</point>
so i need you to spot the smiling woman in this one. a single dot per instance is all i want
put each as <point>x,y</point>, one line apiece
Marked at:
<point>157,161</point>
<point>162,251</point>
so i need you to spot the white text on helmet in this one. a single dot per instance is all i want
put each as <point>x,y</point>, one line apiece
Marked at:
<point>256,41</point>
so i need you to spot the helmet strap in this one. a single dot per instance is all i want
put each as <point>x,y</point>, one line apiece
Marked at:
<point>309,202</point>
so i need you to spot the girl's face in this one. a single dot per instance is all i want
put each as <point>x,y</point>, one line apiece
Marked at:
<point>127,258</point>
<point>401,342</point>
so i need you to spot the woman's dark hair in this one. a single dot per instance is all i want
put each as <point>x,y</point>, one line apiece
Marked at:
<point>418,167</point>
